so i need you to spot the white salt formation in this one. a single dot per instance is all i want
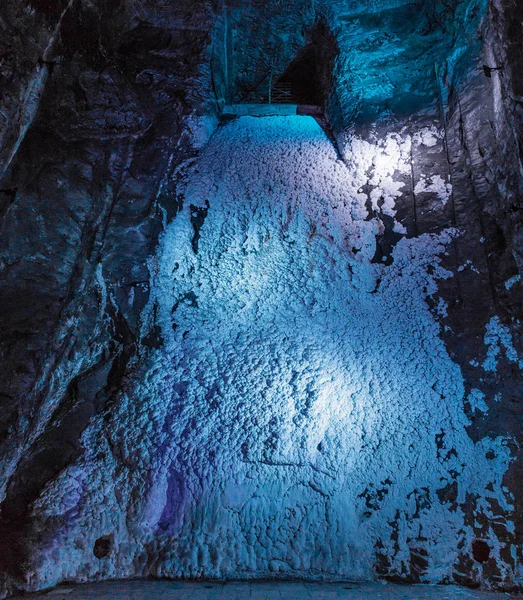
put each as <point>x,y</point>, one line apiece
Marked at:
<point>301,417</point>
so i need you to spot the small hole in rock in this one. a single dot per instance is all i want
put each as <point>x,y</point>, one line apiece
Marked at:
<point>102,547</point>
<point>480,551</point>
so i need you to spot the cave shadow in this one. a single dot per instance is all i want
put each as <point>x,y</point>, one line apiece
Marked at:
<point>309,77</point>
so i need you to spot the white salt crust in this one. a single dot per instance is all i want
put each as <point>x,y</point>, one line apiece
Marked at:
<point>303,410</point>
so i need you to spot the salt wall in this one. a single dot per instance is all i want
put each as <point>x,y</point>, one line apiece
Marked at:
<point>269,347</point>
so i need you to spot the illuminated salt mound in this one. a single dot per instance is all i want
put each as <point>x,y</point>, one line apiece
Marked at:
<point>302,416</point>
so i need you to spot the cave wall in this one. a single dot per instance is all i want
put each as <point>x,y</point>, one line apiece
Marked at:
<point>107,105</point>
<point>485,164</point>
<point>119,97</point>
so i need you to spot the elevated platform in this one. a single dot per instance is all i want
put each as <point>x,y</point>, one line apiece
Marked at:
<point>270,110</point>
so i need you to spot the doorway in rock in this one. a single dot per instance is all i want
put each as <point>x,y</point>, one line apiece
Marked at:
<point>307,80</point>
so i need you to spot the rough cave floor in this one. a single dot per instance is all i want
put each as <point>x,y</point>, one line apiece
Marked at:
<point>164,590</point>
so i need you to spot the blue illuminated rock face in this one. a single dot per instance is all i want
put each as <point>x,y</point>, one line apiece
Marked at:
<point>256,350</point>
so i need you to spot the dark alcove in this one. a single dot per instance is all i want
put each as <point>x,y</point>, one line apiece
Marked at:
<point>307,80</point>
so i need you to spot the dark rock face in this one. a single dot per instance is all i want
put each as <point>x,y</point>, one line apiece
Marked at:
<point>84,203</point>
<point>106,106</point>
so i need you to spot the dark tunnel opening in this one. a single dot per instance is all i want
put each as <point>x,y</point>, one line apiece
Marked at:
<point>308,78</point>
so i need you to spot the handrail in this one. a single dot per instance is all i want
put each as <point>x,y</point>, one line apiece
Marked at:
<point>281,93</point>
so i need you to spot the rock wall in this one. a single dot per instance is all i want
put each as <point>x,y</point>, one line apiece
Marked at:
<point>85,198</point>
<point>106,108</point>
<point>485,168</point>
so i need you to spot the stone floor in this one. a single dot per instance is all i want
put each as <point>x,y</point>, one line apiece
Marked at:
<point>166,590</point>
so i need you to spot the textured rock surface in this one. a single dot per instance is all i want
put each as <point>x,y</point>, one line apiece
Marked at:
<point>84,206</point>
<point>114,461</point>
